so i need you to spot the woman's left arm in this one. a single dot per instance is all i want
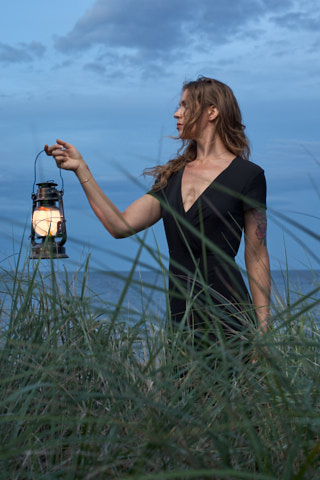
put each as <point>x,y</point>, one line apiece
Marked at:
<point>257,263</point>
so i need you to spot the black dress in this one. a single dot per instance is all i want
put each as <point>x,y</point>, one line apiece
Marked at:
<point>205,284</point>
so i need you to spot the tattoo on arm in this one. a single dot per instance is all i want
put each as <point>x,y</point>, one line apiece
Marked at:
<point>261,221</point>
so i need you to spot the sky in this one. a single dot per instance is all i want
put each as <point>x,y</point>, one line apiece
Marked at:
<point>106,76</point>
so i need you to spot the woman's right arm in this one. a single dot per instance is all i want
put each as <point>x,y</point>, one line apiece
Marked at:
<point>141,214</point>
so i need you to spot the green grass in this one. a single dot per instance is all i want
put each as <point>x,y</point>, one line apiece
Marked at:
<point>85,395</point>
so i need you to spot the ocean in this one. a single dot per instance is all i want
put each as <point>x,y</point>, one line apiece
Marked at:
<point>146,291</point>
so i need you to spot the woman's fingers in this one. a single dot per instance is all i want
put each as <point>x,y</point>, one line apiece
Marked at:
<point>57,151</point>
<point>58,154</point>
<point>46,149</point>
<point>64,144</point>
<point>50,150</point>
<point>65,155</point>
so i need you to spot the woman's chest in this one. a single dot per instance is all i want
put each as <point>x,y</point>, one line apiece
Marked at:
<point>194,182</point>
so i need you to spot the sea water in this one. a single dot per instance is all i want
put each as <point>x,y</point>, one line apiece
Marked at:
<point>145,292</point>
<point>147,289</point>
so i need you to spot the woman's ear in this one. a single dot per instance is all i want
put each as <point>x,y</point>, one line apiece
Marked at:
<point>213,113</point>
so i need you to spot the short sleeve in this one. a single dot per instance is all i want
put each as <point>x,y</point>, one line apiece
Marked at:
<point>158,194</point>
<point>255,193</point>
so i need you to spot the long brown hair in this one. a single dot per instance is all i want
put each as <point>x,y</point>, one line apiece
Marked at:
<point>205,92</point>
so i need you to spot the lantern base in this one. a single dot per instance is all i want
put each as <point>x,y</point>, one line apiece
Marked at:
<point>48,251</point>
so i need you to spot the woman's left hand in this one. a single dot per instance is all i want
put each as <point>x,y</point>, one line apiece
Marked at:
<point>65,155</point>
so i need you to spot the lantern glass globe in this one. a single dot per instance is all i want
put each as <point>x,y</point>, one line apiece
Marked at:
<point>46,220</point>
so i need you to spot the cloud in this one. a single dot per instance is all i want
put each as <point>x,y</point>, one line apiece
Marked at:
<point>36,49</point>
<point>127,24</point>
<point>162,27</point>
<point>145,38</point>
<point>23,53</point>
<point>95,67</point>
<point>301,20</point>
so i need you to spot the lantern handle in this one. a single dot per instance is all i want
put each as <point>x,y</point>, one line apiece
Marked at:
<point>35,173</point>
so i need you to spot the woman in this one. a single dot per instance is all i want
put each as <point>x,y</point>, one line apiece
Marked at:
<point>206,196</point>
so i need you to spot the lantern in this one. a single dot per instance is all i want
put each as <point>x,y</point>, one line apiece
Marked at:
<point>48,225</point>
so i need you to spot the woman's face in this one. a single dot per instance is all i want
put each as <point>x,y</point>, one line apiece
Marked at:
<point>182,116</point>
<point>183,113</point>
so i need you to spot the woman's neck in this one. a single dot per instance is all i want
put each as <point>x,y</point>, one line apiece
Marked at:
<point>212,149</point>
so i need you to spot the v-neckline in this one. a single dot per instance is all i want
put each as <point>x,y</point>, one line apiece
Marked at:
<point>204,191</point>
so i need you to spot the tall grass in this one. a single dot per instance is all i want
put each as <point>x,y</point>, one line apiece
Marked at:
<point>85,394</point>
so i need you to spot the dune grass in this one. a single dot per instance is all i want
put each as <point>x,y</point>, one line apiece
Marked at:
<point>87,395</point>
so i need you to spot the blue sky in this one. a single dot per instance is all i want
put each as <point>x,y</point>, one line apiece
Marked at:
<point>106,75</point>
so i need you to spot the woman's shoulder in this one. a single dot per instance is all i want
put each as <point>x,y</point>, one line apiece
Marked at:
<point>171,184</point>
<point>247,167</point>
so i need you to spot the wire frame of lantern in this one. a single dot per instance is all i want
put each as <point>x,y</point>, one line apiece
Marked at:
<point>48,224</point>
